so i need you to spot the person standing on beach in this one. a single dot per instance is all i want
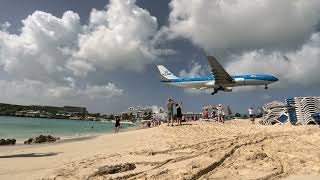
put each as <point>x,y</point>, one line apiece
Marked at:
<point>251,115</point>
<point>206,114</point>
<point>170,111</point>
<point>220,113</point>
<point>179,113</point>
<point>213,115</point>
<point>117,125</point>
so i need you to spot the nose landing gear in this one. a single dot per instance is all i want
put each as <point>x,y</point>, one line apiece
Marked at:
<point>266,86</point>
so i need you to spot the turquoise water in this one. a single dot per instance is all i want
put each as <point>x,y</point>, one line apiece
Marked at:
<point>22,128</point>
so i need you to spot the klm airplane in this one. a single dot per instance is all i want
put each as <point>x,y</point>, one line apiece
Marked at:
<point>219,81</point>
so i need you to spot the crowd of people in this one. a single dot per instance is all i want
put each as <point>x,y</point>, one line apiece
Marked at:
<point>217,114</point>
<point>175,115</point>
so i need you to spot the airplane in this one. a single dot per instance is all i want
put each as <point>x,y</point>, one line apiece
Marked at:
<point>219,81</point>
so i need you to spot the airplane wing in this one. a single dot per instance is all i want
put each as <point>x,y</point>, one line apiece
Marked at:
<point>220,74</point>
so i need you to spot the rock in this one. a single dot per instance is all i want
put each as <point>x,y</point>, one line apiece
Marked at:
<point>41,139</point>
<point>8,142</point>
<point>2,142</point>
<point>29,141</point>
<point>259,156</point>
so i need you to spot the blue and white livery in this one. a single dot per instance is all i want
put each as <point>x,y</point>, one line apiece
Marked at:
<point>219,81</point>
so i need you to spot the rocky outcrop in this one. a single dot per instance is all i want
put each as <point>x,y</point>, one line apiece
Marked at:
<point>7,142</point>
<point>41,139</point>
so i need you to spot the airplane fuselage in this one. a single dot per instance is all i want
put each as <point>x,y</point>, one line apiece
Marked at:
<point>210,83</point>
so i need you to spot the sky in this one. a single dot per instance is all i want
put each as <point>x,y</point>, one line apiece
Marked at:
<point>103,54</point>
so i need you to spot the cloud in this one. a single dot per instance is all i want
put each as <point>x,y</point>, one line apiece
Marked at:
<point>122,36</point>
<point>80,68</point>
<point>106,91</point>
<point>5,26</point>
<point>50,51</point>
<point>42,48</point>
<point>244,24</point>
<point>197,70</point>
<point>126,33</point>
<point>36,92</point>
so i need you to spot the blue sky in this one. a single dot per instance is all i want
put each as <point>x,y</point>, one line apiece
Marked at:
<point>65,53</point>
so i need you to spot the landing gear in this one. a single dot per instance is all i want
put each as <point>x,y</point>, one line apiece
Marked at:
<point>216,91</point>
<point>266,87</point>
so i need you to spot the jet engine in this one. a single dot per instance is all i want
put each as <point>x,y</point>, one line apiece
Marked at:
<point>228,89</point>
<point>211,84</point>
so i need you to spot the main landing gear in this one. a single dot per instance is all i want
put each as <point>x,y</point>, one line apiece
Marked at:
<point>266,87</point>
<point>216,90</point>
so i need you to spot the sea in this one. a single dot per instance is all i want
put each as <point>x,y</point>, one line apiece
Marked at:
<point>22,128</point>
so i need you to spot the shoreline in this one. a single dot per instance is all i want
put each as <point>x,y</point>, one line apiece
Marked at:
<point>64,129</point>
<point>65,139</point>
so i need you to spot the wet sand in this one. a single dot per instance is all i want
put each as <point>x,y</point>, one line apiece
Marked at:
<point>234,150</point>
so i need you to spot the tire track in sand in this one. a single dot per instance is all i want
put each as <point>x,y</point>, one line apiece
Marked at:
<point>229,154</point>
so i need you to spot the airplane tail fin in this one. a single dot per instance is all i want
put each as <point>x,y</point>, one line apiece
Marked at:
<point>165,73</point>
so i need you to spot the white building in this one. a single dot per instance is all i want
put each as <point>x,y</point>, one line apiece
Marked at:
<point>140,112</point>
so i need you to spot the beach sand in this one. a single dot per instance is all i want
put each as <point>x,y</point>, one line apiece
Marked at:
<point>204,150</point>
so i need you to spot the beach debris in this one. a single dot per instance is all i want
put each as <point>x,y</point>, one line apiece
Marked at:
<point>8,142</point>
<point>41,139</point>
<point>114,169</point>
<point>258,156</point>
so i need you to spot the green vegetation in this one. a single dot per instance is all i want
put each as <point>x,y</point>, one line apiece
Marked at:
<point>237,115</point>
<point>125,116</point>
<point>147,115</point>
<point>131,117</point>
<point>11,109</point>
<point>111,117</point>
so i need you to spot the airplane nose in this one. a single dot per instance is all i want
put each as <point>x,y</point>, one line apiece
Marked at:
<point>275,79</point>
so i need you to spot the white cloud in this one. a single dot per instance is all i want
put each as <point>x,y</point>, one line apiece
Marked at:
<point>243,24</point>
<point>107,91</point>
<point>36,92</point>
<point>197,70</point>
<point>5,26</point>
<point>42,48</point>
<point>119,37</point>
<point>122,36</point>
<point>80,68</point>
<point>51,52</point>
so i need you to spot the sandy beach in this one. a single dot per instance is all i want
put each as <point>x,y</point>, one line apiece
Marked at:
<point>234,150</point>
